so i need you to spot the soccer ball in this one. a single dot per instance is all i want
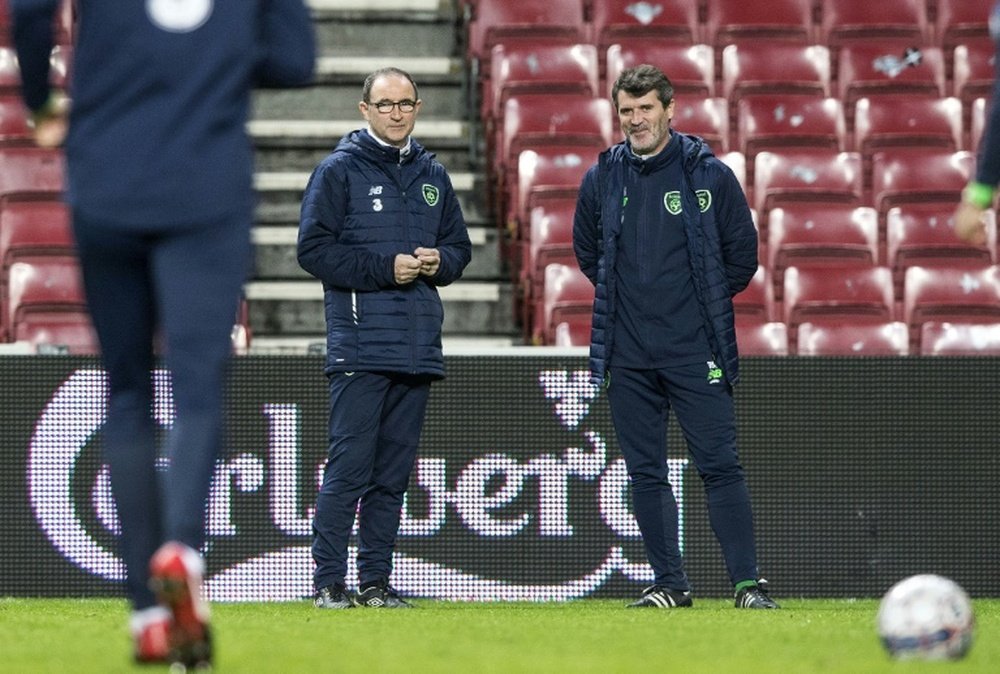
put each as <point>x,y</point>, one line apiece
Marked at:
<point>926,617</point>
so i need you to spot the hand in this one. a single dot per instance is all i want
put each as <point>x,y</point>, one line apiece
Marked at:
<point>406,268</point>
<point>969,224</point>
<point>51,122</point>
<point>430,260</point>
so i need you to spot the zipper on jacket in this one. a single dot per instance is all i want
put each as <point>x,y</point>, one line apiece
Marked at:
<point>355,315</point>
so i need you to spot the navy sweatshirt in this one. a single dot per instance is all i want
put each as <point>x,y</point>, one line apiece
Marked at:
<point>161,95</point>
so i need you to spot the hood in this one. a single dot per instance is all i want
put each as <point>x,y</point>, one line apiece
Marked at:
<point>360,144</point>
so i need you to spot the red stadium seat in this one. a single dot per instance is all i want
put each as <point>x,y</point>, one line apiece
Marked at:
<point>806,175</point>
<point>773,68</point>
<point>755,303</point>
<point>568,293</point>
<point>622,21</point>
<point>907,121</point>
<point>30,169</point>
<point>574,331</point>
<point>536,120</point>
<point>43,285</point>
<point>761,339</point>
<point>923,235</point>
<point>545,174</point>
<point>911,175</point>
<point>977,124</point>
<point>832,295</point>
<point>58,331</point>
<point>958,21</point>
<point>30,227</point>
<point>961,295</point>
<point>14,129</point>
<point>959,339</point>
<point>704,117</point>
<point>972,70</point>
<point>846,21</point>
<point>504,22</point>
<point>691,68</point>
<point>542,68</point>
<point>549,241</point>
<point>875,69</point>
<point>777,121</point>
<point>820,235</point>
<point>738,164</point>
<point>728,21</point>
<point>853,339</point>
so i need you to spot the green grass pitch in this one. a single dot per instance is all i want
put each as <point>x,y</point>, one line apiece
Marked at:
<point>66,635</point>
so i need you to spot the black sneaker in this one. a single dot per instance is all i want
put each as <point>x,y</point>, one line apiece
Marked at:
<point>755,596</point>
<point>655,596</point>
<point>380,595</point>
<point>333,596</point>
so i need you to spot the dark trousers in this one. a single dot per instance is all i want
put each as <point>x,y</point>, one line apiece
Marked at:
<point>181,286</point>
<point>375,425</point>
<point>641,401</point>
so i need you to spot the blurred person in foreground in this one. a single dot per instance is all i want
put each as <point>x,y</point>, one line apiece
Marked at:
<point>382,228</point>
<point>159,180</point>
<point>978,195</point>
<point>663,230</point>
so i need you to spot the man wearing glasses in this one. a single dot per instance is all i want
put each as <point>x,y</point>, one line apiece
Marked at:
<point>381,227</point>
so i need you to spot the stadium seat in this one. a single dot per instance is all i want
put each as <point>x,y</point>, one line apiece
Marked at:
<point>31,226</point>
<point>961,295</point>
<point>544,174</point>
<point>568,294</point>
<point>738,164</point>
<point>958,21</point>
<point>907,121</point>
<point>848,21</point>
<point>923,235</point>
<point>532,121</point>
<point>806,175</point>
<point>574,331</point>
<point>830,295</point>
<point>729,21</point>
<point>959,339</point>
<point>43,285</point>
<point>549,240</point>
<point>977,124</point>
<point>704,117</point>
<point>622,21</point>
<point>853,339</point>
<point>691,68</point>
<point>972,70</point>
<point>776,121</point>
<point>496,22</point>
<point>890,69</point>
<point>820,235</point>
<point>14,129</point>
<point>755,303</point>
<point>761,339</point>
<point>539,69</point>
<point>30,169</point>
<point>912,175</point>
<point>58,332</point>
<point>773,68</point>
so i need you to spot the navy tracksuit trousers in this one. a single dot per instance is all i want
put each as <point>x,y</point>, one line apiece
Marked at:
<point>641,401</point>
<point>181,285</point>
<point>375,424</point>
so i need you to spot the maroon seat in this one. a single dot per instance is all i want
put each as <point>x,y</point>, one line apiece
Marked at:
<point>972,70</point>
<point>962,295</point>
<point>847,21</point>
<point>890,68</point>
<point>622,21</point>
<point>704,117</point>
<point>496,22</point>
<point>63,331</point>
<point>574,331</point>
<point>691,68</point>
<point>761,339</point>
<point>14,129</point>
<point>958,21</point>
<point>42,285</point>
<point>959,339</point>
<point>568,293</point>
<point>549,241</point>
<point>846,338</point>
<point>755,303</point>
<point>728,21</point>
<point>30,169</point>
<point>779,121</point>
<point>806,175</point>
<point>912,175</point>
<point>544,174</point>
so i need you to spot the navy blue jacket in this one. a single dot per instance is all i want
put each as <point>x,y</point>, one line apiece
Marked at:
<point>988,165</point>
<point>361,208</point>
<point>722,245</point>
<point>161,94</point>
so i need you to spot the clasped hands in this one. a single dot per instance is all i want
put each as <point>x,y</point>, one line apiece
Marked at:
<point>423,262</point>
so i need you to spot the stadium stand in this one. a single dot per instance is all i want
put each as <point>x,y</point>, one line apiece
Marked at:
<point>568,294</point>
<point>549,240</point>
<point>853,339</point>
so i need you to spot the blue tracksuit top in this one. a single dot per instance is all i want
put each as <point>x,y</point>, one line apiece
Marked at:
<point>721,240</point>
<point>658,322</point>
<point>364,205</point>
<point>161,92</point>
<point>988,161</point>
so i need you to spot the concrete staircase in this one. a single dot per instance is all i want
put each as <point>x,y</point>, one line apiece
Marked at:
<point>294,129</point>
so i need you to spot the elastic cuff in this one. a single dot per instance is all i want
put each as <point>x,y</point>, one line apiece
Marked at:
<point>978,194</point>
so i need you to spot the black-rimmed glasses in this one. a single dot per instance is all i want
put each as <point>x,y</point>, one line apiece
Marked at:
<point>385,107</point>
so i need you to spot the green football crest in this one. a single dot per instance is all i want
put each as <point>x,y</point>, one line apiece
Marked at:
<point>672,202</point>
<point>431,194</point>
<point>704,200</point>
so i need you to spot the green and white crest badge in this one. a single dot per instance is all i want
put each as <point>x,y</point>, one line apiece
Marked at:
<point>430,193</point>
<point>672,202</point>
<point>704,200</point>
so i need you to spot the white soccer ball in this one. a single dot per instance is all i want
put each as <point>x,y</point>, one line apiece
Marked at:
<point>926,617</point>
